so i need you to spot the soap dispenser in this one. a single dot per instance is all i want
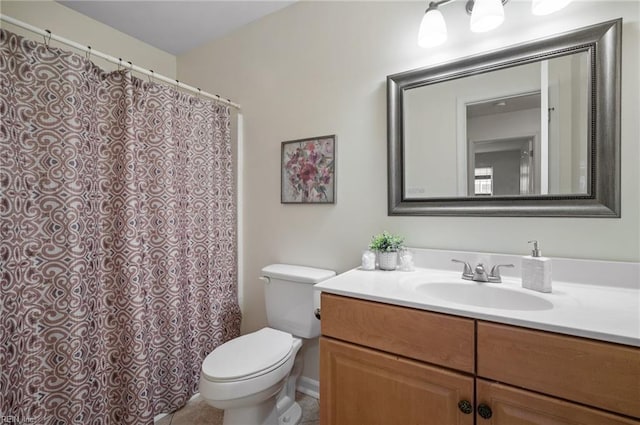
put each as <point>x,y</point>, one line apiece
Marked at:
<point>536,270</point>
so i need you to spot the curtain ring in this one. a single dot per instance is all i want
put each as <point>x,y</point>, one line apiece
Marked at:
<point>177,84</point>
<point>130,66</point>
<point>119,63</point>
<point>199,93</point>
<point>150,76</point>
<point>47,41</point>
<point>88,53</point>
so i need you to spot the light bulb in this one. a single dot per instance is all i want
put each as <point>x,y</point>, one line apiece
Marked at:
<point>545,7</point>
<point>433,29</point>
<point>486,15</point>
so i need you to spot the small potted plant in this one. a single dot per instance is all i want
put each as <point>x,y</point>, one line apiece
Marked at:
<point>387,247</point>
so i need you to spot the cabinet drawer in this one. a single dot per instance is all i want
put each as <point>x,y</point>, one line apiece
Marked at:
<point>512,406</point>
<point>431,337</point>
<point>595,373</point>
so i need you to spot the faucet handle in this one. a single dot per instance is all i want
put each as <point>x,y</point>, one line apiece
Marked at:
<point>494,276</point>
<point>466,272</point>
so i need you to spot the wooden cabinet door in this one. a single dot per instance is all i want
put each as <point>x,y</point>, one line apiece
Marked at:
<point>512,406</point>
<point>363,386</point>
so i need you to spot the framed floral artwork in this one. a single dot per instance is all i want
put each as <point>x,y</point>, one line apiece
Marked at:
<point>308,171</point>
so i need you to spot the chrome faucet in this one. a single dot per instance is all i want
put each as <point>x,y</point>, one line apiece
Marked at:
<point>479,274</point>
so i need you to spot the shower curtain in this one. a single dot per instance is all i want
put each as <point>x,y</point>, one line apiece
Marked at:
<point>118,240</point>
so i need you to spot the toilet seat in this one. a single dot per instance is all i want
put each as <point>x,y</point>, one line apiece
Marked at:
<point>248,356</point>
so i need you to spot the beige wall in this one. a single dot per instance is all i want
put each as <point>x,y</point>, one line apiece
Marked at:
<point>67,23</point>
<point>319,68</point>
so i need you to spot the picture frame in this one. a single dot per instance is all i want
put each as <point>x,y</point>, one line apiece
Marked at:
<point>308,171</point>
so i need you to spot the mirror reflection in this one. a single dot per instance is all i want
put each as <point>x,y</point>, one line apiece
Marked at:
<point>518,131</point>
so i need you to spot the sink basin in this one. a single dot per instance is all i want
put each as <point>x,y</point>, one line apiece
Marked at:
<point>485,295</point>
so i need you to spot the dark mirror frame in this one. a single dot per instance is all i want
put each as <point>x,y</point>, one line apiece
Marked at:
<point>603,43</point>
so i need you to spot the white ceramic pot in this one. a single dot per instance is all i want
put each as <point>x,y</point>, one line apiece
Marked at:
<point>388,260</point>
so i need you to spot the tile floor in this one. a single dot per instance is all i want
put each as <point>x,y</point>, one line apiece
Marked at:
<point>197,412</point>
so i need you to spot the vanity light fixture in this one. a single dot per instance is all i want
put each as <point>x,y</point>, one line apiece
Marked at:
<point>485,16</point>
<point>433,29</point>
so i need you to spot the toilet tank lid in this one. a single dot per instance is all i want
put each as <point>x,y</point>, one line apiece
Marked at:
<point>297,273</point>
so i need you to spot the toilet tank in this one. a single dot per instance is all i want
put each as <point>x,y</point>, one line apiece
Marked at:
<point>289,298</point>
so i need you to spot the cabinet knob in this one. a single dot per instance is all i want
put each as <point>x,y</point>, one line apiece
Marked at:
<point>465,407</point>
<point>484,411</point>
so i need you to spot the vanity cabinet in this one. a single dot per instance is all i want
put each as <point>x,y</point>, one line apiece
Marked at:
<point>386,364</point>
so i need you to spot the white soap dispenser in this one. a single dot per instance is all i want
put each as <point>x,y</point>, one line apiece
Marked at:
<point>536,270</point>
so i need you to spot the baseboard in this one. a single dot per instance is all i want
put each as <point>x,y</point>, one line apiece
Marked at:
<point>309,386</point>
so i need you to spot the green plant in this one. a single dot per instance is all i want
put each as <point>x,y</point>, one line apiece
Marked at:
<point>386,242</point>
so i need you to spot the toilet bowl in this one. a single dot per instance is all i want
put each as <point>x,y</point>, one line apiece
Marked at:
<point>244,377</point>
<point>253,377</point>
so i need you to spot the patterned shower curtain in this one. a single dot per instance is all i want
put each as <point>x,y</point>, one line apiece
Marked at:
<point>118,240</point>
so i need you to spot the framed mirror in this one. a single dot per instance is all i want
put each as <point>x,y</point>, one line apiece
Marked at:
<point>529,130</point>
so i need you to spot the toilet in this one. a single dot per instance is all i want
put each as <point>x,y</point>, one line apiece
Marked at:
<point>253,377</point>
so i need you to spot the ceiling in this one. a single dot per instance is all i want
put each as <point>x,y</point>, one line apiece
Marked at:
<point>176,26</point>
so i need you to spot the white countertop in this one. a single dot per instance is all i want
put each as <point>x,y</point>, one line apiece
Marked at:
<point>607,313</point>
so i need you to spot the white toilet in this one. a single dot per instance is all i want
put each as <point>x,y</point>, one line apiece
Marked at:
<point>253,377</point>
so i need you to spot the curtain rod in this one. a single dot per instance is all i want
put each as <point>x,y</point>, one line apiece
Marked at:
<point>87,49</point>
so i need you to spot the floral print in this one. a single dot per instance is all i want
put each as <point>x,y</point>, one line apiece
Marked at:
<point>308,170</point>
